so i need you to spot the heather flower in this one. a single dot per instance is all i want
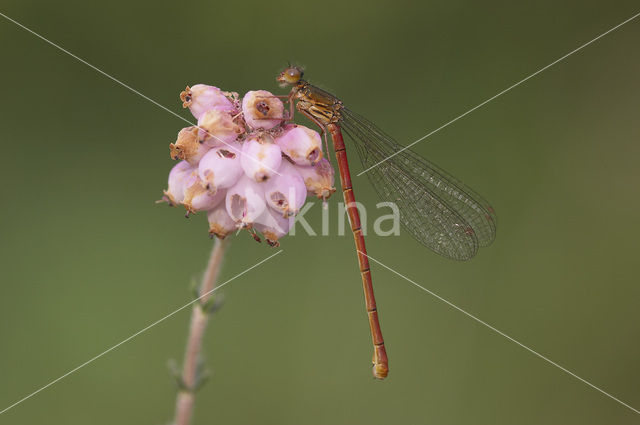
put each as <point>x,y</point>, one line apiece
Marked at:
<point>177,176</point>
<point>220,223</point>
<point>232,169</point>
<point>188,147</point>
<point>318,178</point>
<point>247,170</point>
<point>220,167</point>
<point>273,226</point>
<point>202,98</point>
<point>260,158</point>
<point>301,144</point>
<point>245,201</point>
<point>197,197</point>
<point>286,192</point>
<point>261,109</point>
<point>217,128</point>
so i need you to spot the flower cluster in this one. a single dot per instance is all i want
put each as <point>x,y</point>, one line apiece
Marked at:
<point>244,164</point>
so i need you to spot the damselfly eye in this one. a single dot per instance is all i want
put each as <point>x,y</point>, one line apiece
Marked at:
<point>290,75</point>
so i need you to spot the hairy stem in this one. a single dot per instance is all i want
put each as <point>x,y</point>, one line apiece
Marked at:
<point>199,318</point>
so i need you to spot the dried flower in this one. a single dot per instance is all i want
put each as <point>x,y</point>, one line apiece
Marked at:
<point>196,197</point>
<point>220,223</point>
<point>262,109</point>
<point>318,178</point>
<point>218,128</point>
<point>202,98</point>
<point>187,147</point>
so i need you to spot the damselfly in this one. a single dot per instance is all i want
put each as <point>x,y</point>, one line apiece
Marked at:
<point>435,208</point>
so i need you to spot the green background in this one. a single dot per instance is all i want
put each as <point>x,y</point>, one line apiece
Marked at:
<point>88,259</point>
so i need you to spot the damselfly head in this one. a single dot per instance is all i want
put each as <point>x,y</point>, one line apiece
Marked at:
<point>290,76</point>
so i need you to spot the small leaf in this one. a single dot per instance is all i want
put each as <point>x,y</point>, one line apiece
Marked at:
<point>213,304</point>
<point>176,374</point>
<point>194,288</point>
<point>202,375</point>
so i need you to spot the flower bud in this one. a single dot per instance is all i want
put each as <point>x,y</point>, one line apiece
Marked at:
<point>220,167</point>
<point>177,180</point>
<point>286,192</point>
<point>245,201</point>
<point>196,197</point>
<point>260,159</point>
<point>202,98</point>
<point>259,106</point>
<point>301,144</point>
<point>220,223</point>
<point>217,128</point>
<point>273,226</point>
<point>318,178</point>
<point>187,147</point>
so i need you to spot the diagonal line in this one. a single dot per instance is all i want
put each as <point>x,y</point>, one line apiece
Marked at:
<point>133,90</point>
<point>501,93</point>
<point>136,334</point>
<point>501,333</point>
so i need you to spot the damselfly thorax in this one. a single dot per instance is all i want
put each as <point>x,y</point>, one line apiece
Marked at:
<point>316,104</point>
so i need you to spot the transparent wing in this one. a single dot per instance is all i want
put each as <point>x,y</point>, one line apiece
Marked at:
<point>435,208</point>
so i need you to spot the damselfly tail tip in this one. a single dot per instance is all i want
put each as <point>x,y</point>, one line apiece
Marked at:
<point>380,371</point>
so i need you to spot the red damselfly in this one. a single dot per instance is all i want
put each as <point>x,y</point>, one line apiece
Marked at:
<point>435,208</point>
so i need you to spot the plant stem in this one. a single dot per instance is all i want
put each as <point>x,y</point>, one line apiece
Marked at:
<point>199,318</point>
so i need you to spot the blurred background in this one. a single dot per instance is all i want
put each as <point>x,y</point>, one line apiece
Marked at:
<point>87,258</point>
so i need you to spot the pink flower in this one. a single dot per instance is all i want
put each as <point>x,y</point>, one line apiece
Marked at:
<point>273,226</point>
<point>217,128</point>
<point>220,167</point>
<point>318,178</point>
<point>177,178</point>
<point>202,98</point>
<point>245,201</point>
<point>188,147</point>
<point>301,144</point>
<point>196,197</point>
<point>259,106</point>
<point>232,167</point>
<point>220,223</point>
<point>260,158</point>
<point>286,192</point>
